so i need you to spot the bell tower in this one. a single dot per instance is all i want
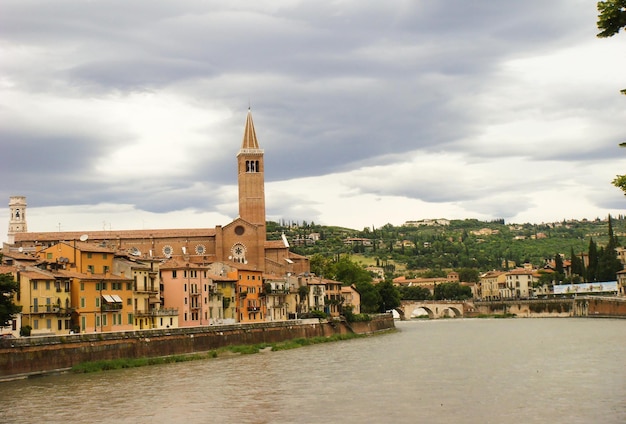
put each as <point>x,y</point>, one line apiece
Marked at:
<point>17,220</point>
<point>251,171</point>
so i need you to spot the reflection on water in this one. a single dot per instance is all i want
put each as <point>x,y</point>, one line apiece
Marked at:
<point>464,371</point>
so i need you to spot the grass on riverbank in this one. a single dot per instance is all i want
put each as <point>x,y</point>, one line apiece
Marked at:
<point>115,364</point>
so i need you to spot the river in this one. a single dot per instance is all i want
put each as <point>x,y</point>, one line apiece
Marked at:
<point>439,371</point>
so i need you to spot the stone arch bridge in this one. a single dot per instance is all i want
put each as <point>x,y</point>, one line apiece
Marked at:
<point>435,309</point>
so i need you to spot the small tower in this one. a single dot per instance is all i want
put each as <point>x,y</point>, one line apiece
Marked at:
<point>251,171</point>
<point>17,220</point>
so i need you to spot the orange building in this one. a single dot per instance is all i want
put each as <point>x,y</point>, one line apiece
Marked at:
<point>100,301</point>
<point>251,306</point>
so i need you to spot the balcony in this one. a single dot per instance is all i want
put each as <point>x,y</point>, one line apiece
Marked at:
<point>149,290</point>
<point>254,308</point>
<point>111,307</point>
<point>165,312</point>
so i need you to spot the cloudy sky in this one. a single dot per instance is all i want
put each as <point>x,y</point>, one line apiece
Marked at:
<point>125,114</point>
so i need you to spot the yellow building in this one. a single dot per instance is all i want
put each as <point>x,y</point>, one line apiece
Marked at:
<point>492,284</point>
<point>45,300</point>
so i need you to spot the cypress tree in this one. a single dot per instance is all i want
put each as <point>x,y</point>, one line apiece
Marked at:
<point>593,261</point>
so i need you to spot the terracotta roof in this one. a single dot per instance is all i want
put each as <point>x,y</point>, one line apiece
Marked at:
<point>37,275</point>
<point>275,244</point>
<point>90,276</point>
<point>21,256</point>
<point>6,269</point>
<point>116,234</point>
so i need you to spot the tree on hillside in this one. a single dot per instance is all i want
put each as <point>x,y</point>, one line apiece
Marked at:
<point>451,291</point>
<point>320,264</point>
<point>348,272</point>
<point>592,267</point>
<point>469,275</point>
<point>8,288</point>
<point>608,262</point>
<point>414,293</point>
<point>389,296</point>
<point>577,268</point>
<point>370,298</point>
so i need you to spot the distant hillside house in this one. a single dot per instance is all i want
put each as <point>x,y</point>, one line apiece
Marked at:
<point>428,222</point>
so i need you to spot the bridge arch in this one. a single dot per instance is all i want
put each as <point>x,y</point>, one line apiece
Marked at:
<point>434,309</point>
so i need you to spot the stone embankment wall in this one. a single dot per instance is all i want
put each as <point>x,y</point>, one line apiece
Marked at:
<point>40,355</point>
<point>606,307</point>
<point>587,306</point>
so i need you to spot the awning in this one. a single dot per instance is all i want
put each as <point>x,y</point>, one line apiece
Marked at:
<point>108,299</point>
<point>112,298</point>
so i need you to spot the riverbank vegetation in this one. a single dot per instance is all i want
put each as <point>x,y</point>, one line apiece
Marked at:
<point>114,364</point>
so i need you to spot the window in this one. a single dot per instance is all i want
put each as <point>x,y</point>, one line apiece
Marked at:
<point>82,286</point>
<point>174,274</point>
<point>83,323</point>
<point>49,324</point>
<point>48,255</point>
<point>90,269</point>
<point>129,301</point>
<point>36,324</point>
<point>104,320</point>
<point>130,318</point>
<point>104,256</point>
<point>185,316</point>
<point>97,302</point>
<point>35,285</point>
<point>105,269</point>
<point>185,287</point>
<point>129,286</point>
<point>89,255</point>
<point>82,302</point>
<point>47,285</point>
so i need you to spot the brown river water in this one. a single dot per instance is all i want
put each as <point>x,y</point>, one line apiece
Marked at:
<point>441,371</point>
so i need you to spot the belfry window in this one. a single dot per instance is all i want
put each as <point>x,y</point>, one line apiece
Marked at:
<point>252,166</point>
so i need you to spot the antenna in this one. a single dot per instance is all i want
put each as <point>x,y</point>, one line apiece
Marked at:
<point>84,237</point>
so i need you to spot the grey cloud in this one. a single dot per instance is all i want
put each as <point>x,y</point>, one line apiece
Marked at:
<point>333,86</point>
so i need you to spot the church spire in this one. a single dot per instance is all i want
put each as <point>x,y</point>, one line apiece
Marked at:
<point>249,135</point>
